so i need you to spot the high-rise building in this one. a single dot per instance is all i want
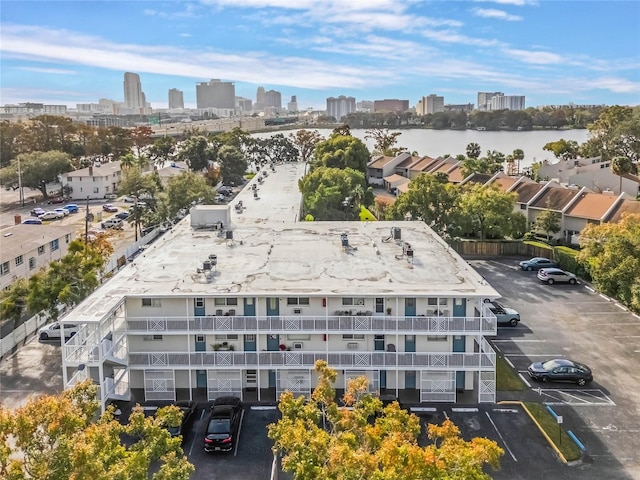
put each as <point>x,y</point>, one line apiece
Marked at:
<point>506,102</point>
<point>176,99</point>
<point>364,106</point>
<point>260,100</point>
<point>340,107</point>
<point>484,99</point>
<point>244,104</point>
<point>292,106</point>
<point>430,105</point>
<point>134,98</point>
<point>391,105</point>
<point>273,98</point>
<point>216,94</point>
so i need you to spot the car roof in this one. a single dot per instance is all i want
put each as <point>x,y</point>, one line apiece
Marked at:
<point>553,269</point>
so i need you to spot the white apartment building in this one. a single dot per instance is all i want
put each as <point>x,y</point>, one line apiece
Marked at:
<point>507,102</point>
<point>430,104</point>
<point>243,301</point>
<point>28,248</point>
<point>94,182</point>
<point>340,107</point>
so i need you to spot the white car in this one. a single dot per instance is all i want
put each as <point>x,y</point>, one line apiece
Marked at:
<point>62,210</point>
<point>54,330</point>
<point>50,215</point>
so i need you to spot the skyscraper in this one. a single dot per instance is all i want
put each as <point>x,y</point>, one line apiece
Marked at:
<point>216,94</point>
<point>176,99</point>
<point>292,106</point>
<point>260,100</point>
<point>484,99</point>
<point>273,98</point>
<point>430,104</point>
<point>134,97</point>
<point>340,107</point>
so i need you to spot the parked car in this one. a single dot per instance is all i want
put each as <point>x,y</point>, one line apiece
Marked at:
<point>54,330</point>
<point>223,425</point>
<point>537,263</point>
<point>63,211</point>
<point>32,221</point>
<point>111,196</point>
<point>37,211</point>
<point>188,408</point>
<point>115,223</point>
<point>123,215</point>
<point>504,315</point>
<point>72,207</point>
<point>556,275</point>
<point>57,200</point>
<point>109,207</point>
<point>560,370</point>
<point>50,215</point>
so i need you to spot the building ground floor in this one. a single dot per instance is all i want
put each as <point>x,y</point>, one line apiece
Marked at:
<point>409,386</point>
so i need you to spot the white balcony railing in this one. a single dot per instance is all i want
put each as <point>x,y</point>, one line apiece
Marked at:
<point>366,360</point>
<point>485,325</point>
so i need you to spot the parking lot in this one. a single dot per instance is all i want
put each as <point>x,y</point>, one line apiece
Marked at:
<point>572,321</point>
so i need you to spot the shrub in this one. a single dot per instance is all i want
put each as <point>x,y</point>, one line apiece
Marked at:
<point>566,258</point>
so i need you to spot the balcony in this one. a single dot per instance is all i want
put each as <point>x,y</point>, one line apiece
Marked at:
<point>484,360</point>
<point>318,324</point>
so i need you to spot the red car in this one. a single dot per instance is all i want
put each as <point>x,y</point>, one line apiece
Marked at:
<point>58,200</point>
<point>108,207</point>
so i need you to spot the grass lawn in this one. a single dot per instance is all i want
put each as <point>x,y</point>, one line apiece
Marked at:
<point>558,436</point>
<point>506,377</point>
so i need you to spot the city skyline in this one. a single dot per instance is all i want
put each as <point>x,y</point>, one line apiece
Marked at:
<point>550,52</point>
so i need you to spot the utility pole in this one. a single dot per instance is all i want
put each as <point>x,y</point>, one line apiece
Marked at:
<point>20,183</point>
<point>86,226</point>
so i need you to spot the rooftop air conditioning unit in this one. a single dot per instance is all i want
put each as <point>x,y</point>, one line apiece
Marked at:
<point>297,345</point>
<point>297,311</point>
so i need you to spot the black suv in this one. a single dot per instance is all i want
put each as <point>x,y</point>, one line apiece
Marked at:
<point>223,425</point>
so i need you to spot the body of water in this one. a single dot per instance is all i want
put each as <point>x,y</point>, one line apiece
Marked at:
<point>436,143</point>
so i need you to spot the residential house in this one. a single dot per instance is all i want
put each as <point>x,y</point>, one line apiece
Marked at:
<point>28,248</point>
<point>97,181</point>
<point>587,208</point>
<point>384,166</point>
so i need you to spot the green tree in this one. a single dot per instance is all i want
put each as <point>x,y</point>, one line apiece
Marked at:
<point>12,141</point>
<point>118,141</point>
<point>341,151</point>
<point>563,149</point>
<point>473,150</point>
<point>432,199</point>
<point>50,132</point>
<point>38,169</point>
<point>233,164</point>
<point>486,211</point>
<point>548,221</point>
<point>13,301</point>
<point>385,141</point>
<point>128,161</point>
<point>56,438</point>
<point>325,189</point>
<point>615,133</point>
<point>622,166</point>
<point>162,150</point>
<point>305,141</point>
<point>611,254</point>
<point>141,137</point>
<point>180,191</point>
<point>320,440</point>
<point>198,152</point>
<point>492,163</point>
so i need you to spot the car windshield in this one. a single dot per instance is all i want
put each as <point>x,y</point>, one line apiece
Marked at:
<point>219,425</point>
<point>550,365</point>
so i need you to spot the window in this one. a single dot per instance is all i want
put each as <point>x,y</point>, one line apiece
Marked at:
<point>299,336</point>
<point>379,305</point>
<point>151,338</point>
<point>298,301</point>
<point>40,249</point>
<point>523,206</point>
<point>353,336</point>
<point>352,301</point>
<point>67,237</point>
<point>436,338</point>
<point>150,302</point>
<point>229,336</point>
<point>4,268</point>
<point>225,301</point>
<point>200,302</point>
<point>19,260</point>
<point>436,301</point>
<point>69,179</point>
<point>96,189</point>
<point>32,263</point>
<point>54,245</point>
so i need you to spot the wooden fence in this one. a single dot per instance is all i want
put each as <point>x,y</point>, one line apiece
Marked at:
<point>497,248</point>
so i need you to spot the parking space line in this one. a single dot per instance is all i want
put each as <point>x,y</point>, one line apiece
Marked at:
<point>235,450</point>
<point>524,380</point>
<point>570,397</point>
<point>559,355</point>
<point>605,297</point>
<point>515,340</point>
<point>509,362</point>
<point>619,324</point>
<point>589,288</point>
<point>501,437</point>
<point>621,307</point>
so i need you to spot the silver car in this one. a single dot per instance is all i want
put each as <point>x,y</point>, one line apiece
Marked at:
<point>556,275</point>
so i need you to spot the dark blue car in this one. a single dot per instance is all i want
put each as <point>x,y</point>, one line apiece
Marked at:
<point>537,263</point>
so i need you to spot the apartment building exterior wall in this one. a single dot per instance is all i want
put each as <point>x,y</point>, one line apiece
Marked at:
<point>340,107</point>
<point>216,94</point>
<point>94,182</point>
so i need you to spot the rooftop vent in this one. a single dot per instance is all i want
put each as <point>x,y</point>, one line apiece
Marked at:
<point>344,240</point>
<point>207,265</point>
<point>213,259</point>
<point>229,234</point>
<point>396,233</point>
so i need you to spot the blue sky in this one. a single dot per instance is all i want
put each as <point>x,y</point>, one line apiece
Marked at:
<point>553,52</point>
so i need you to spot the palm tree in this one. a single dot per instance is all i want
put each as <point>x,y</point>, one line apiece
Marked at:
<point>128,160</point>
<point>621,166</point>
<point>473,150</point>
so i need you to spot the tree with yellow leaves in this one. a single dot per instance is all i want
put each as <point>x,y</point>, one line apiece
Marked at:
<point>319,440</point>
<point>61,438</point>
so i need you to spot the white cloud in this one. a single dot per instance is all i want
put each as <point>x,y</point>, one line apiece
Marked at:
<point>493,13</point>
<point>538,58</point>
<point>55,71</point>
<point>451,36</point>
<point>517,3</point>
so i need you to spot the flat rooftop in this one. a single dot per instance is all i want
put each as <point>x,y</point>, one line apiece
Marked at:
<point>273,254</point>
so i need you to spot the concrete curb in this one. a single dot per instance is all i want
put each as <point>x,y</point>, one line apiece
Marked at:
<point>553,445</point>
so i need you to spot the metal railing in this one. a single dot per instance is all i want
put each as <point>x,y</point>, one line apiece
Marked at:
<point>321,324</point>
<point>360,360</point>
